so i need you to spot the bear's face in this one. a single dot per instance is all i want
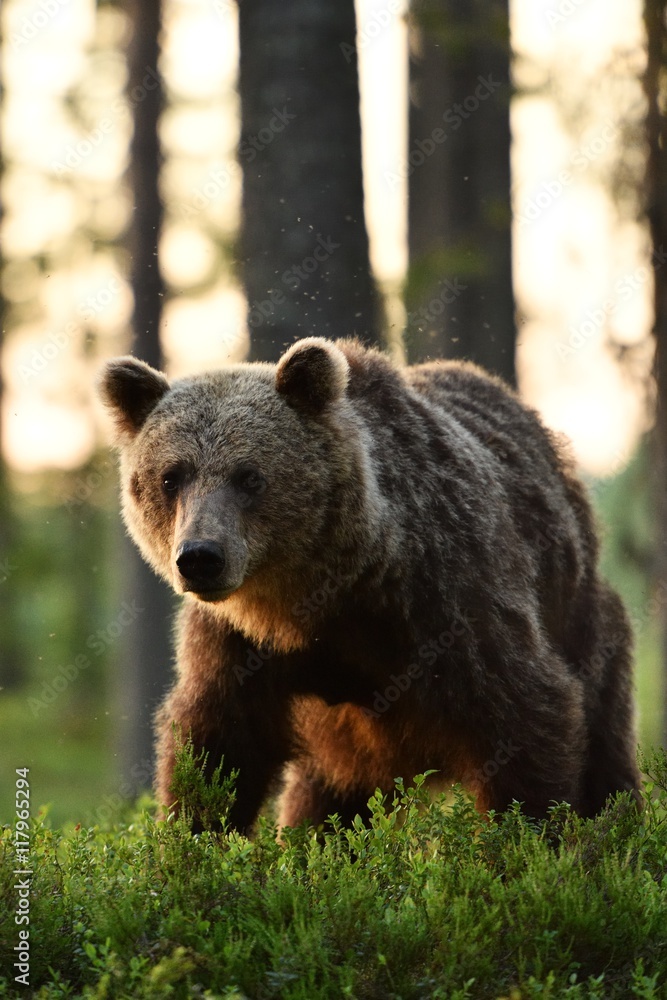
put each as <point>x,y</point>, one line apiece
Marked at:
<point>229,475</point>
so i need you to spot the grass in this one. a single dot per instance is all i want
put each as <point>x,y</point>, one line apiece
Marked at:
<point>68,750</point>
<point>425,901</point>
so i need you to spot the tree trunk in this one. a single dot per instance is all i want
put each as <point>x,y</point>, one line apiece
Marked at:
<point>655,14</point>
<point>144,670</point>
<point>145,98</point>
<point>304,246</point>
<point>459,295</point>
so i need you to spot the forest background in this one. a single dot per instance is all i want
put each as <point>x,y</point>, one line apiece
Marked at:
<point>199,181</point>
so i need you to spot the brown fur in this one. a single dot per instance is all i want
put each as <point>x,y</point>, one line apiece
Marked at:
<point>407,580</point>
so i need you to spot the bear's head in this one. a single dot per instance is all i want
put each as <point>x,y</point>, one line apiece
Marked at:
<point>241,486</point>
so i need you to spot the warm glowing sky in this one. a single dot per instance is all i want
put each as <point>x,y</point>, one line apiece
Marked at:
<point>578,270</point>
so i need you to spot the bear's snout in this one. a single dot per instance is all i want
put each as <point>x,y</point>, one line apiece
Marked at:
<point>201,565</point>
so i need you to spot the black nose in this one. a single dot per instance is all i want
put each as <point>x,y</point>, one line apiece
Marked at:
<point>201,564</point>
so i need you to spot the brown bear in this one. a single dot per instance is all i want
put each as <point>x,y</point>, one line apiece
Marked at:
<point>385,571</point>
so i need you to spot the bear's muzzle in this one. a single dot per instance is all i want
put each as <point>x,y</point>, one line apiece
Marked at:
<point>201,565</point>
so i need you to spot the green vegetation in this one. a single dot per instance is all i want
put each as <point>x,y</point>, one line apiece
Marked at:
<point>422,903</point>
<point>62,581</point>
<point>61,587</point>
<point>625,509</point>
<point>426,901</point>
<point>68,749</point>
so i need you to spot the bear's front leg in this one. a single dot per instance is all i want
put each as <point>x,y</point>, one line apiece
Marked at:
<point>229,709</point>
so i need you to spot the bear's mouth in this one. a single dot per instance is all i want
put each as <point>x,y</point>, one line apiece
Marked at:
<point>213,595</point>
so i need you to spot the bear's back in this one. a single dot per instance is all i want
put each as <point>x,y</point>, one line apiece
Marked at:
<point>491,412</point>
<point>549,504</point>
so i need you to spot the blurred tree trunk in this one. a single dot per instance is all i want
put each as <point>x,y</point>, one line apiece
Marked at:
<point>304,246</point>
<point>459,293</point>
<point>655,17</point>
<point>144,670</point>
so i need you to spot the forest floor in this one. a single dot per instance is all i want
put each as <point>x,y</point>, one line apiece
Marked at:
<point>424,901</point>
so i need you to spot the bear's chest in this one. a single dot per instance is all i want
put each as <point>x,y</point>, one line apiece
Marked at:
<point>353,659</point>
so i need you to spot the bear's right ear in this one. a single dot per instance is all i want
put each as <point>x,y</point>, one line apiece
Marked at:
<point>130,389</point>
<point>311,374</point>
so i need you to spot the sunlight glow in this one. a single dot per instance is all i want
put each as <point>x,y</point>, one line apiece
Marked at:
<point>587,30</point>
<point>382,44</point>
<point>582,273</point>
<point>46,435</point>
<point>203,333</point>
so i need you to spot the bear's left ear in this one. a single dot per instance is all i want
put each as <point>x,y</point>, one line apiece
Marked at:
<point>130,389</point>
<point>311,374</point>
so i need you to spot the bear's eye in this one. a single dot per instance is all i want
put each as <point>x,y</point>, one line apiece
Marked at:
<point>250,484</point>
<point>252,481</point>
<point>171,481</point>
